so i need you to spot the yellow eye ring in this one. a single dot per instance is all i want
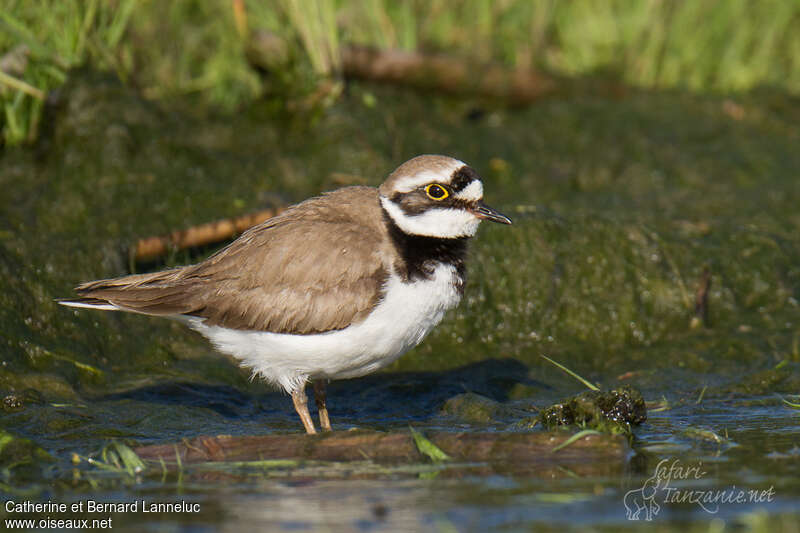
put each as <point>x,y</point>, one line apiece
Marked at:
<point>436,192</point>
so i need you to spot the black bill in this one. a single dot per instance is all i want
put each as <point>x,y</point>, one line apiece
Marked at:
<point>485,212</point>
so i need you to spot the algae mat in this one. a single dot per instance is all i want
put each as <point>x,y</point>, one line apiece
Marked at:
<point>624,206</point>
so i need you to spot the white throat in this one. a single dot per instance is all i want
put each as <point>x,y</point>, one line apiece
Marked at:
<point>445,223</point>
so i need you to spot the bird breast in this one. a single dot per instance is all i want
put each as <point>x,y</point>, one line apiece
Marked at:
<point>406,313</point>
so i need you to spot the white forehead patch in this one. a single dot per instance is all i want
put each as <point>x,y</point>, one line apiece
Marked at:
<point>409,183</point>
<point>472,192</point>
<point>445,223</point>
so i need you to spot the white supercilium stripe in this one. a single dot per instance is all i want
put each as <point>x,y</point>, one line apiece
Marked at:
<point>444,223</point>
<point>472,192</point>
<point>425,177</point>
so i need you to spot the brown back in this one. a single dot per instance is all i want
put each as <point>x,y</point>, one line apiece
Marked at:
<point>319,266</point>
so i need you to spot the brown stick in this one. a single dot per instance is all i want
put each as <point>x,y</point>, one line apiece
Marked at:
<point>396,447</point>
<point>153,247</point>
<point>701,297</point>
<point>444,73</point>
<point>438,72</point>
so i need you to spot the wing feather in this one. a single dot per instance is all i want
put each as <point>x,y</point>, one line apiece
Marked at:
<point>319,266</point>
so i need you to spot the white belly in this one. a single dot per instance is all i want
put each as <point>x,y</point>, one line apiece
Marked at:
<point>405,315</point>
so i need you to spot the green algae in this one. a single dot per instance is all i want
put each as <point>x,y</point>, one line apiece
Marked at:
<point>599,269</point>
<point>785,379</point>
<point>600,262</point>
<point>21,460</point>
<point>476,409</point>
<point>613,411</point>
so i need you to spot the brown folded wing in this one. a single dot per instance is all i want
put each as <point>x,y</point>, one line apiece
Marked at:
<point>319,266</point>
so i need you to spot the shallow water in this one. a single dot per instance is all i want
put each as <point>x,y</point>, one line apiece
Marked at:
<point>620,202</point>
<point>759,453</point>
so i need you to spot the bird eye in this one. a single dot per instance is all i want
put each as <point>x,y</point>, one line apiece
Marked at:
<point>436,192</point>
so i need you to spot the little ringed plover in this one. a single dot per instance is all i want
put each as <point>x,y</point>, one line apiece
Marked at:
<point>335,287</point>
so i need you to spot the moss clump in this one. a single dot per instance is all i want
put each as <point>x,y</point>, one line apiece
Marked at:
<point>21,458</point>
<point>770,381</point>
<point>474,408</point>
<point>613,411</point>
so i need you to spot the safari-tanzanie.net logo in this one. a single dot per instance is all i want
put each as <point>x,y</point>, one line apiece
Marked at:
<point>674,483</point>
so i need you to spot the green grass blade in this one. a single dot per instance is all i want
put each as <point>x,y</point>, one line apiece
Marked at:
<point>700,397</point>
<point>119,23</point>
<point>21,33</point>
<point>130,461</point>
<point>588,383</point>
<point>427,448</point>
<point>793,405</point>
<point>20,85</point>
<point>576,437</point>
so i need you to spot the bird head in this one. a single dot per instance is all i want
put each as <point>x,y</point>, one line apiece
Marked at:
<point>436,196</point>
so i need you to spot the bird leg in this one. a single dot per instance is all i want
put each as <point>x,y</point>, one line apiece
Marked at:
<point>300,401</point>
<point>320,397</point>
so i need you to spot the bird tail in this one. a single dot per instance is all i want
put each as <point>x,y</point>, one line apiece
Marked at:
<point>158,293</point>
<point>89,303</point>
